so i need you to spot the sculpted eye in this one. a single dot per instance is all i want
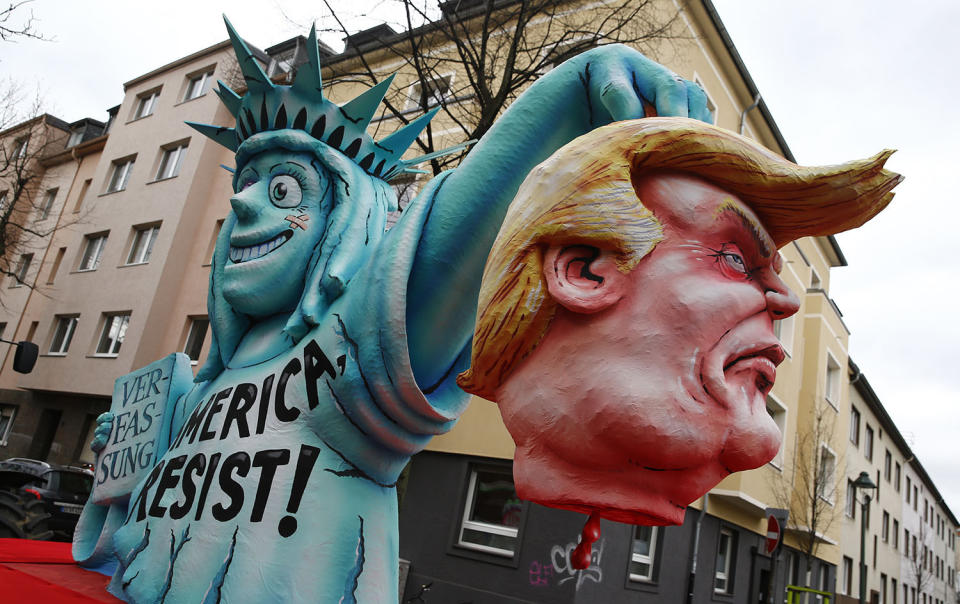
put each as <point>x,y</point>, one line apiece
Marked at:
<point>285,191</point>
<point>735,262</point>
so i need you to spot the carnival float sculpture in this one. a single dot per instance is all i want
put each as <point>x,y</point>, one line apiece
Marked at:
<point>337,346</point>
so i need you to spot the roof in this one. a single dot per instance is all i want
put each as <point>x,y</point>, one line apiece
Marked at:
<point>859,381</point>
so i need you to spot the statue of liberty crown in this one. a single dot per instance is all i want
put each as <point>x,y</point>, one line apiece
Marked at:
<point>267,106</point>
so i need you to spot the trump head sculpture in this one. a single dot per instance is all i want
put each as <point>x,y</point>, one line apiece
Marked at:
<point>625,323</point>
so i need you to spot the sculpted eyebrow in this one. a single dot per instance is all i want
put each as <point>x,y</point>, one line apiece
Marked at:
<point>748,224</point>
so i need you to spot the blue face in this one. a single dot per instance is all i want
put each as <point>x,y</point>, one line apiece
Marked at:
<point>282,203</point>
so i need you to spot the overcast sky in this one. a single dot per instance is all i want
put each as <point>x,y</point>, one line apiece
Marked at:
<point>842,79</point>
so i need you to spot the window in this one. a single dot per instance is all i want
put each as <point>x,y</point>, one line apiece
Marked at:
<point>850,507</point>
<point>723,578</point>
<point>885,527</point>
<point>846,576</point>
<point>644,553</point>
<point>833,381</point>
<point>83,193</point>
<point>855,426</point>
<point>20,147</point>
<point>779,414</point>
<point>146,103</point>
<point>23,266</point>
<point>3,328</point>
<point>868,443</point>
<point>827,479</point>
<point>916,498</point>
<point>896,534</point>
<point>438,89</point>
<point>195,337</point>
<point>784,332</point>
<point>883,588</point>
<point>56,265</point>
<point>63,331</point>
<point>893,590</point>
<point>896,476</point>
<point>491,516</point>
<point>909,482</point>
<point>7,413</point>
<point>170,161</point>
<point>48,198</point>
<point>142,245</point>
<point>92,252</point>
<point>120,175</point>
<point>75,137</point>
<point>198,85</point>
<point>114,330</point>
<point>815,282</point>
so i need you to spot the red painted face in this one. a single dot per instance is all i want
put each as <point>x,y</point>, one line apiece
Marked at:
<point>642,407</point>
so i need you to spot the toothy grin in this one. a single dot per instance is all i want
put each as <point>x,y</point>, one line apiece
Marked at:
<point>259,250</point>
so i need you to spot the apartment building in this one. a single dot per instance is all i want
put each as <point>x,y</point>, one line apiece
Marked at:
<point>123,282</point>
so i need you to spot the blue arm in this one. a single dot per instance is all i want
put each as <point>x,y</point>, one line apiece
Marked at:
<point>591,90</point>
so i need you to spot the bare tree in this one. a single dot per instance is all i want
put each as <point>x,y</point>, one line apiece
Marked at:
<point>920,559</point>
<point>18,22</point>
<point>473,57</point>
<point>25,220</point>
<point>810,489</point>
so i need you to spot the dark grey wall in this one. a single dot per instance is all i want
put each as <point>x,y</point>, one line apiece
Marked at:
<point>76,413</point>
<point>430,515</point>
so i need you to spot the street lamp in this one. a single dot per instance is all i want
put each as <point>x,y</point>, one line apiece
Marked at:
<point>863,482</point>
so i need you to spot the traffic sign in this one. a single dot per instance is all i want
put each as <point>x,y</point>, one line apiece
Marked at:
<point>774,535</point>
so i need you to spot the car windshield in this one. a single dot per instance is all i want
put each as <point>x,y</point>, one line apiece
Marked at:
<point>75,483</point>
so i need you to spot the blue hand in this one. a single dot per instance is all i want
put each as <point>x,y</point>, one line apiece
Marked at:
<point>102,432</point>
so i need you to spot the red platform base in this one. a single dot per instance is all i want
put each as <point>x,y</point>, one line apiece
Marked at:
<point>44,571</point>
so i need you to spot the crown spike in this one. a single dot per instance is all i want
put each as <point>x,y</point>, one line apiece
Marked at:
<point>398,142</point>
<point>226,137</point>
<point>229,98</point>
<point>252,73</point>
<point>308,79</point>
<point>364,107</point>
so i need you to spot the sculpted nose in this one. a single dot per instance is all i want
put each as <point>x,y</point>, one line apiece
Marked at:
<point>781,302</point>
<point>245,205</point>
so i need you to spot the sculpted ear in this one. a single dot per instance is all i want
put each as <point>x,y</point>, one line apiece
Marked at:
<point>583,278</point>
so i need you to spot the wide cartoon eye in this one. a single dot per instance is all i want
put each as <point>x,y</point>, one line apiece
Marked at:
<point>285,191</point>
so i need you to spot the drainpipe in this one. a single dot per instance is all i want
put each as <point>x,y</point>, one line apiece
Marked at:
<point>691,580</point>
<point>743,115</point>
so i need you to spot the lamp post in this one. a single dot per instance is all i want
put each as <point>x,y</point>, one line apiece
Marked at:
<point>863,482</point>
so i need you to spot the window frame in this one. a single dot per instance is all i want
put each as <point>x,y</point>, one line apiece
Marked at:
<point>20,147</point>
<point>479,551</point>
<point>850,509</point>
<point>23,270</point>
<point>120,174</point>
<point>5,429</point>
<point>855,420</point>
<point>868,442</point>
<point>205,79</point>
<point>832,391</point>
<point>413,92</point>
<point>171,160</point>
<point>651,559</point>
<point>146,104</point>
<point>113,349</point>
<point>69,325</point>
<point>151,232</point>
<point>830,481</point>
<point>781,412</point>
<point>99,240</point>
<point>192,323</point>
<point>727,574</point>
<point>49,197</point>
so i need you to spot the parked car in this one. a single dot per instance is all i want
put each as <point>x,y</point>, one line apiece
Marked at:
<point>61,492</point>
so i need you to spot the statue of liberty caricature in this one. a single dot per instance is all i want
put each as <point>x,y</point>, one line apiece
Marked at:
<point>336,345</point>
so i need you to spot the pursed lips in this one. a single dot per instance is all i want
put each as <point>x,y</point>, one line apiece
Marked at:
<point>239,254</point>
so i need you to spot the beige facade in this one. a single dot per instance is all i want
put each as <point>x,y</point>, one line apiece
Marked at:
<point>127,275</point>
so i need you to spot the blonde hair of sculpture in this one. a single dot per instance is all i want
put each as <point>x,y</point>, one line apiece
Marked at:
<point>584,194</point>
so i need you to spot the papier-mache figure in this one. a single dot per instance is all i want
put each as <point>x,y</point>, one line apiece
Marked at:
<point>625,322</point>
<point>335,345</point>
